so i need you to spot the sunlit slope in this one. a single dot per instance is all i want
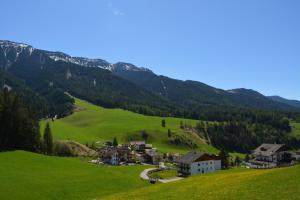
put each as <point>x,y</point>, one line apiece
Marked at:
<point>94,123</point>
<point>241,184</point>
<point>30,176</point>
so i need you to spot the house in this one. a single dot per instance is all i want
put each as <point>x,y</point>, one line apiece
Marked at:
<point>269,156</point>
<point>115,155</point>
<point>198,163</point>
<point>109,155</point>
<point>138,145</point>
<point>151,156</point>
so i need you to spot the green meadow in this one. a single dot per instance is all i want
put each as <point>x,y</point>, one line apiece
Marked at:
<point>97,124</point>
<point>235,184</point>
<point>30,176</point>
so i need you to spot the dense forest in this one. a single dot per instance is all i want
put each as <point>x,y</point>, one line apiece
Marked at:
<point>245,134</point>
<point>19,125</point>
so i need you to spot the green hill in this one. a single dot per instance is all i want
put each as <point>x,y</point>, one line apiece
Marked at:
<point>238,184</point>
<point>93,123</point>
<point>32,176</point>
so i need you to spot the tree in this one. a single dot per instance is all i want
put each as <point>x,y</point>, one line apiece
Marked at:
<point>145,135</point>
<point>224,159</point>
<point>115,142</point>
<point>163,123</point>
<point>19,127</point>
<point>169,133</point>
<point>181,125</point>
<point>48,140</point>
<point>247,157</point>
<point>237,161</point>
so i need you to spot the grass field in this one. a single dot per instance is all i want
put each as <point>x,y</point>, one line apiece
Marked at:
<point>165,174</point>
<point>95,123</point>
<point>32,176</point>
<point>237,184</point>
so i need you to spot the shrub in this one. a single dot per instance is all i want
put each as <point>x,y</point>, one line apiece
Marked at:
<point>62,149</point>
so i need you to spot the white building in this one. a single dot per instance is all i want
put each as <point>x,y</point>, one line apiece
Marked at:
<point>198,163</point>
<point>269,156</point>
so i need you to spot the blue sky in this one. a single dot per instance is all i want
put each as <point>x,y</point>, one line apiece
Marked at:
<point>224,43</point>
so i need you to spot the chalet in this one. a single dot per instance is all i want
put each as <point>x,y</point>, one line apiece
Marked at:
<point>138,145</point>
<point>109,155</point>
<point>115,155</point>
<point>198,163</point>
<point>151,156</point>
<point>269,156</point>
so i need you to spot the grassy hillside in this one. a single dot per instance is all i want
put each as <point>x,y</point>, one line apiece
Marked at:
<point>238,184</point>
<point>32,176</point>
<point>95,123</point>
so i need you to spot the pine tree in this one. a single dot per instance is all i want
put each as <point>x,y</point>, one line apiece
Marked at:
<point>163,123</point>
<point>169,133</point>
<point>19,126</point>
<point>48,140</point>
<point>224,159</point>
<point>115,142</point>
<point>145,135</point>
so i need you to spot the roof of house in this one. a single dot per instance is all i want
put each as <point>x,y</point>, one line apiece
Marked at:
<point>194,156</point>
<point>151,152</point>
<point>267,149</point>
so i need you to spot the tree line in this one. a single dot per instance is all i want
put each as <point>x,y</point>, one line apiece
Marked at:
<point>20,129</point>
<point>237,136</point>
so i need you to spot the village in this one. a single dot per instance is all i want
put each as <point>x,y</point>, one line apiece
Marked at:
<point>265,156</point>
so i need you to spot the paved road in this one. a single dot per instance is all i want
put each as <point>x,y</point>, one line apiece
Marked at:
<point>144,175</point>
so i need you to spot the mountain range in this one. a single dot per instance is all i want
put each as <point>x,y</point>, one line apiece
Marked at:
<point>54,75</point>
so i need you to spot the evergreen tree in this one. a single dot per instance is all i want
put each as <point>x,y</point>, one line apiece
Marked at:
<point>237,161</point>
<point>145,135</point>
<point>181,125</point>
<point>19,127</point>
<point>247,158</point>
<point>163,123</point>
<point>115,142</point>
<point>224,159</point>
<point>48,140</point>
<point>169,133</point>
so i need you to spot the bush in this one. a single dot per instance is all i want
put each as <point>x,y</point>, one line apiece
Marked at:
<point>62,149</point>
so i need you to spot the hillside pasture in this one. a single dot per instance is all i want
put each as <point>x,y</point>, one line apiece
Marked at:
<point>96,124</point>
